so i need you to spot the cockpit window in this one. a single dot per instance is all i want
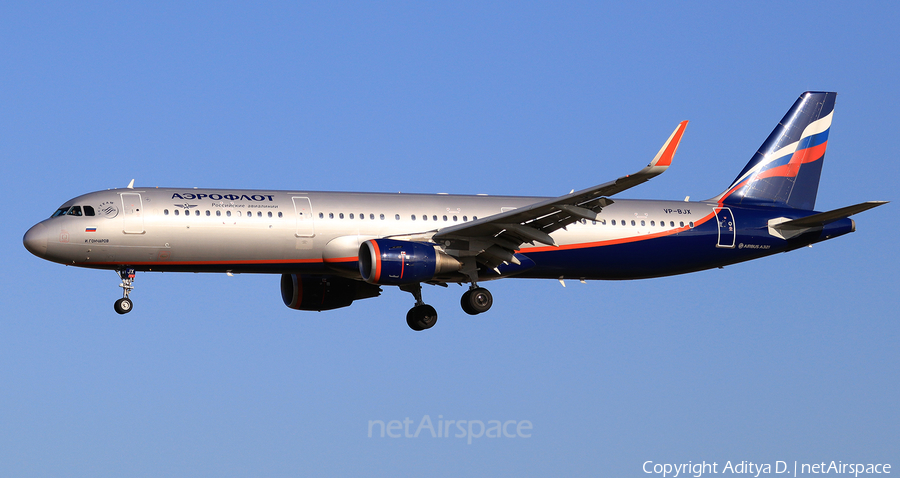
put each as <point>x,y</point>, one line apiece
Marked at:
<point>74,211</point>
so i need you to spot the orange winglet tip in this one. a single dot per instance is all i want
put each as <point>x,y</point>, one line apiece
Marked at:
<point>667,152</point>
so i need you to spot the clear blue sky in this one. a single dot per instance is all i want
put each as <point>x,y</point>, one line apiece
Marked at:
<point>792,357</point>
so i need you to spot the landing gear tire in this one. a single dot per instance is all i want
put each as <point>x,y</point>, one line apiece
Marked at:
<point>476,301</point>
<point>421,317</point>
<point>123,305</point>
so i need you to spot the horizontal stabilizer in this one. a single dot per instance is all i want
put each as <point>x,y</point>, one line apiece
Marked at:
<point>823,218</point>
<point>787,228</point>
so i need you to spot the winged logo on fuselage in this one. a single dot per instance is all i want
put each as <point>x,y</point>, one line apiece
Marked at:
<point>109,210</point>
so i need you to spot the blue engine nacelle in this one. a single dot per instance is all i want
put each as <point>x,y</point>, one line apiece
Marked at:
<point>310,292</point>
<point>392,262</point>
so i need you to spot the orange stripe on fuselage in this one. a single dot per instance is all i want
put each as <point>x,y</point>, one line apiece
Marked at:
<point>202,263</point>
<point>340,259</point>
<point>621,240</point>
<point>583,245</point>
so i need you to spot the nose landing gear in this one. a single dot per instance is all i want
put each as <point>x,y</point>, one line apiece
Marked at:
<point>124,305</point>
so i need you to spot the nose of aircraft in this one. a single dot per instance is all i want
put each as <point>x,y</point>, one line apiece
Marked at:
<point>35,240</point>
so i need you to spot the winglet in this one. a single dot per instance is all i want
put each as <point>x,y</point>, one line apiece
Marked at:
<point>667,152</point>
<point>131,184</point>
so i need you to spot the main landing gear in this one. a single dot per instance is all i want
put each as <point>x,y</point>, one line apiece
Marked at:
<point>423,316</point>
<point>476,300</point>
<point>124,305</point>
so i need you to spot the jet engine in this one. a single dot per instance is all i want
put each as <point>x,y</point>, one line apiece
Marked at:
<point>393,262</point>
<point>311,292</point>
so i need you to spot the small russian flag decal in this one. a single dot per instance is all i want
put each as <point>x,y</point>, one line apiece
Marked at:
<point>90,229</point>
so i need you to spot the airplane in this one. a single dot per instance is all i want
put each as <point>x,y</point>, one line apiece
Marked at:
<point>332,248</point>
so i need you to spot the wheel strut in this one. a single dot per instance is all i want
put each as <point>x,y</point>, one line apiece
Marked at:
<point>476,300</point>
<point>124,305</point>
<point>415,290</point>
<point>422,316</point>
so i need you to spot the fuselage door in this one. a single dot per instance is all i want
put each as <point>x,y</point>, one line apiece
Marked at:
<point>303,210</point>
<point>132,213</point>
<point>727,232</point>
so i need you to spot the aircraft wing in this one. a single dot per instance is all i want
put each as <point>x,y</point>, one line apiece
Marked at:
<point>494,239</point>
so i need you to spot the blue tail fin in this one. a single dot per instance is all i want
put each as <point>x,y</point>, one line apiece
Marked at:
<point>786,169</point>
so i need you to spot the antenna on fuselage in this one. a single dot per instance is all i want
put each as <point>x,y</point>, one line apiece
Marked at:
<point>131,184</point>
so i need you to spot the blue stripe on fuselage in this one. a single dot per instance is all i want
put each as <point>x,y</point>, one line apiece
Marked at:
<point>688,251</point>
